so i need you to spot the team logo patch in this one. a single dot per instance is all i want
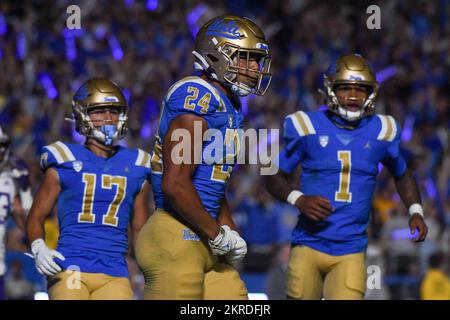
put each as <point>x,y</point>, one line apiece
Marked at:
<point>323,140</point>
<point>77,165</point>
<point>190,236</point>
<point>367,145</point>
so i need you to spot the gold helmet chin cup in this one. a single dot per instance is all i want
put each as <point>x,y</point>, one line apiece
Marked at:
<point>98,92</point>
<point>351,69</point>
<point>224,38</point>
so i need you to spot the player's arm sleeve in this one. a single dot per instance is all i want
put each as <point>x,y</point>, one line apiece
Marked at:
<point>143,160</point>
<point>293,152</point>
<point>47,159</point>
<point>192,98</point>
<point>393,158</point>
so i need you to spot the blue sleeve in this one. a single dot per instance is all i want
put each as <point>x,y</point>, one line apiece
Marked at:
<point>192,98</point>
<point>293,152</point>
<point>393,159</point>
<point>48,160</point>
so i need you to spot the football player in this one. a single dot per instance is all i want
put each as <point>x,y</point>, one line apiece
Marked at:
<point>339,151</point>
<point>99,189</point>
<point>15,195</point>
<point>187,248</point>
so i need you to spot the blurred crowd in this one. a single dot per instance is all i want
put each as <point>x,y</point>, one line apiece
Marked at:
<point>145,46</point>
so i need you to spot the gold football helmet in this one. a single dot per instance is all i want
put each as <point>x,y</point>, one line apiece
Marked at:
<point>94,93</point>
<point>350,69</point>
<point>219,45</point>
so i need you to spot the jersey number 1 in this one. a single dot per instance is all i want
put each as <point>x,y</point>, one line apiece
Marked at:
<point>90,181</point>
<point>344,194</point>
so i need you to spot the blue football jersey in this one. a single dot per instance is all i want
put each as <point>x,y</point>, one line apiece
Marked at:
<point>194,95</point>
<point>341,165</point>
<point>95,204</point>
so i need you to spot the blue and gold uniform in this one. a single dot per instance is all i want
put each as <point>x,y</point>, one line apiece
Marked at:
<point>178,264</point>
<point>193,95</point>
<point>341,165</point>
<point>95,206</point>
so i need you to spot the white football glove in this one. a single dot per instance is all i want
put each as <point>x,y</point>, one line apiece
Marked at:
<point>239,251</point>
<point>225,241</point>
<point>43,258</point>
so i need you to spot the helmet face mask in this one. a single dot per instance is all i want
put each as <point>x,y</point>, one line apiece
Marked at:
<point>227,48</point>
<point>239,70</point>
<point>350,70</point>
<point>100,94</point>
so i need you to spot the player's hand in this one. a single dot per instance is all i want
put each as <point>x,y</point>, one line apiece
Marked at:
<point>316,208</point>
<point>225,241</point>
<point>43,257</point>
<point>416,222</point>
<point>239,251</point>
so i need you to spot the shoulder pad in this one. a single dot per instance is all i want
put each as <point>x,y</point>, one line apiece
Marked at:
<point>60,152</point>
<point>302,123</point>
<point>388,129</point>
<point>197,88</point>
<point>143,159</point>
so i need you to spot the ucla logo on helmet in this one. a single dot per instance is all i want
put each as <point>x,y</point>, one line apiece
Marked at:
<point>356,77</point>
<point>262,46</point>
<point>77,165</point>
<point>110,99</point>
<point>224,29</point>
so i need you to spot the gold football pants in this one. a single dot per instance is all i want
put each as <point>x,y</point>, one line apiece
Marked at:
<point>74,285</point>
<point>178,265</point>
<point>313,275</point>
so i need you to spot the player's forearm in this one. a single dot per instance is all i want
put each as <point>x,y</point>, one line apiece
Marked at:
<point>279,185</point>
<point>35,227</point>
<point>407,189</point>
<point>225,217</point>
<point>184,198</point>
